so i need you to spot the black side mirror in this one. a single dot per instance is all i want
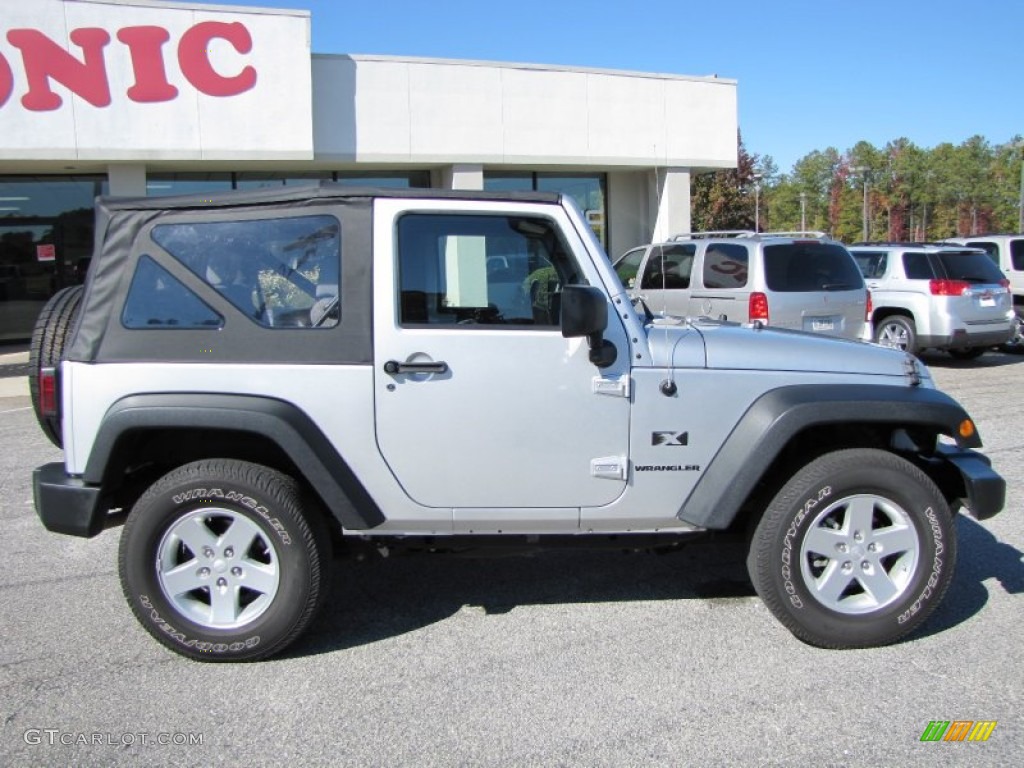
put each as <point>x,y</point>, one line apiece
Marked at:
<point>585,313</point>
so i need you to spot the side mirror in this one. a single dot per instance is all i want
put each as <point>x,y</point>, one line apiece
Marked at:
<point>585,313</point>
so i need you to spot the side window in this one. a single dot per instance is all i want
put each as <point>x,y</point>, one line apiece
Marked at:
<point>1017,255</point>
<point>628,265</point>
<point>917,266</point>
<point>280,273</point>
<point>726,265</point>
<point>481,269</point>
<point>157,299</point>
<point>872,265</point>
<point>669,267</point>
<point>991,249</point>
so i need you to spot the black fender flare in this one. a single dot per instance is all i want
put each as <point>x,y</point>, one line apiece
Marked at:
<point>777,416</point>
<point>281,422</point>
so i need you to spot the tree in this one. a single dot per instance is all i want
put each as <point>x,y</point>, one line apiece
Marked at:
<point>725,199</point>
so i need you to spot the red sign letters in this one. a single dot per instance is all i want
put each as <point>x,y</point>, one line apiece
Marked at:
<point>44,60</point>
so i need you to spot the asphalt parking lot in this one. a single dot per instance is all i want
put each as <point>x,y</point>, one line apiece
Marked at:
<point>580,658</point>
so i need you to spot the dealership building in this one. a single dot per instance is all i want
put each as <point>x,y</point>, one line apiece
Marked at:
<point>134,97</point>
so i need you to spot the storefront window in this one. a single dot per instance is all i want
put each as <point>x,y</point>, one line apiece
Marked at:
<point>260,180</point>
<point>46,233</point>
<point>159,184</point>
<point>587,189</point>
<point>402,180</point>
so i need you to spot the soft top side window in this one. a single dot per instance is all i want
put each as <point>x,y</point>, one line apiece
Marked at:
<point>280,272</point>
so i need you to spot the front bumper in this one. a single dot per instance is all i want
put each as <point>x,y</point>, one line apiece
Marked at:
<point>984,490</point>
<point>66,504</point>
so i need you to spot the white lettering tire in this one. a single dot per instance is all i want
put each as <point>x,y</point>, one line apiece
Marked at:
<point>219,563</point>
<point>855,551</point>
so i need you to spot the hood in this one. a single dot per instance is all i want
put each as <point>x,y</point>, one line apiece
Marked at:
<point>731,346</point>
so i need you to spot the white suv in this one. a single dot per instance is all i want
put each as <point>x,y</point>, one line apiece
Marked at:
<point>936,296</point>
<point>797,280</point>
<point>1007,251</point>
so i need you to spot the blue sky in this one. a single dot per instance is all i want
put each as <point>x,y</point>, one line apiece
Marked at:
<point>811,73</point>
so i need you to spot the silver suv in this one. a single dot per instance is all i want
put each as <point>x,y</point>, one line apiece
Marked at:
<point>1007,251</point>
<point>935,296</point>
<point>797,280</point>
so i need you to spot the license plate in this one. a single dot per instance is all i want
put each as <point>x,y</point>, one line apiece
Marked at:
<point>987,301</point>
<point>825,324</point>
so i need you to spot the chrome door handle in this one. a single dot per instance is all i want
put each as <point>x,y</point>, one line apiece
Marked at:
<point>394,367</point>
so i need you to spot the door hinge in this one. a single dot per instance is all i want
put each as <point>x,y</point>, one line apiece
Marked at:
<point>610,467</point>
<point>617,387</point>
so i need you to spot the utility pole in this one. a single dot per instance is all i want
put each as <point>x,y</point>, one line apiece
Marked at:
<point>803,211</point>
<point>863,171</point>
<point>757,200</point>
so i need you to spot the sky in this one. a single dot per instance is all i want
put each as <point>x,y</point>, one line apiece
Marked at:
<point>811,74</point>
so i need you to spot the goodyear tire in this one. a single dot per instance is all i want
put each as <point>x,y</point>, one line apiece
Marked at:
<point>855,551</point>
<point>219,563</point>
<point>49,338</point>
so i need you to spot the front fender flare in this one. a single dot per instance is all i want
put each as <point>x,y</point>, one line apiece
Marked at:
<point>779,415</point>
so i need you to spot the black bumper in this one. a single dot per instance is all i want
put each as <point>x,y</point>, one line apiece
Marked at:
<point>984,490</point>
<point>65,504</point>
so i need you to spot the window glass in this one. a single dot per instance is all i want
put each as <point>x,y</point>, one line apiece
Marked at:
<point>159,184</point>
<point>726,265</point>
<point>587,189</point>
<point>871,263</point>
<point>628,265</point>
<point>990,248</point>
<point>669,267</point>
<point>972,267</point>
<point>384,179</point>
<point>493,270</point>
<point>1017,254</point>
<point>797,267</point>
<point>917,266</point>
<point>280,273</point>
<point>156,299</point>
<point>46,241</point>
<point>260,180</point>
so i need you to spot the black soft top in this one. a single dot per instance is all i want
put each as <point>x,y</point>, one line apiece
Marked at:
<point>313,192</point>
<point>121,226</point>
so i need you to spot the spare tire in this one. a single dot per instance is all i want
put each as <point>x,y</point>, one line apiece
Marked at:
<point>51,335</point>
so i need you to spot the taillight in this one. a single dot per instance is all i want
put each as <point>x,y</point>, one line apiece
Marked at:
<point>1005,283</point>
<point>948,287</point>
<point>757,308</point>
<point>48,392</point>
<point>869,307</point>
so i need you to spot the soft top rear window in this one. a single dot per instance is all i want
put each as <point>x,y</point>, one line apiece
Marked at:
<point>971,266</point>
<point>810,266</point>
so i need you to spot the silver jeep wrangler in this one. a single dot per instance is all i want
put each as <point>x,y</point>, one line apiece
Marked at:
<point>252,379</point>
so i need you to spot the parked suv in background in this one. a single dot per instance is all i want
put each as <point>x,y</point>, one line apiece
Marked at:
<point>935,296</point>
<point>1007,251</point>
<point>797,280</point>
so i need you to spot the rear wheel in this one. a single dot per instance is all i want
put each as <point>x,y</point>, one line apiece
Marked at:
<point>855,551</point>
<point>897,331</point>
<point>219,563</point>
<point>1015,346</point>
<point>49,339</point>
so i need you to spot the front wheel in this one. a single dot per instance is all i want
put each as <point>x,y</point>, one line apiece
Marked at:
<point>855,551</point>
<point>219,563</point>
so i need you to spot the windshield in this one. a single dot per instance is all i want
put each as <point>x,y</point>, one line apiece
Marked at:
<point>810,266</point>
<point>970,266</point>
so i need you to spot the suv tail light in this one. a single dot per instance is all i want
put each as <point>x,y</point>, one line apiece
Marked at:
<point>948,287</point>
<point>757,308</point>
<point>48,392</point>
<point>869,307</point>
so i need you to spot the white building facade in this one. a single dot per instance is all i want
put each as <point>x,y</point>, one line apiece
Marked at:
<point>134,97</point>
